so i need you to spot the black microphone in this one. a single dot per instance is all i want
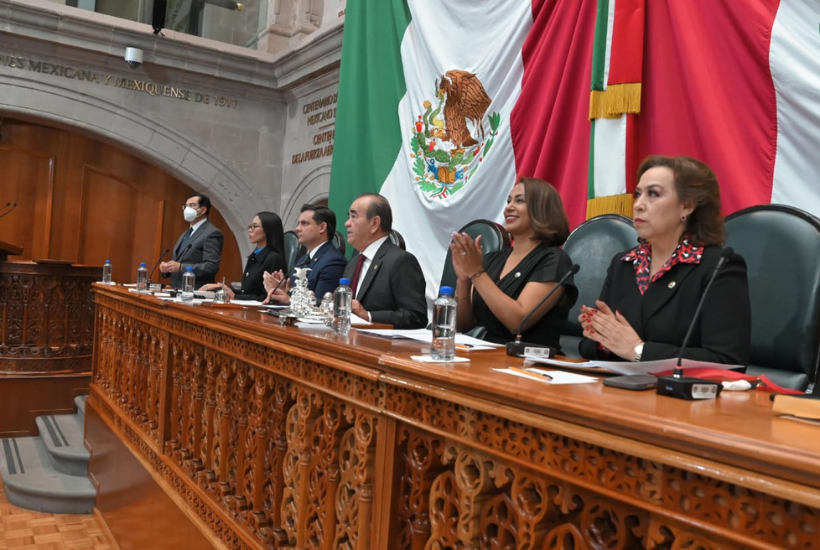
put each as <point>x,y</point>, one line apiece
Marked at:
<point>9,211</point>
<point>519,348</point>
<point>690,388</point>
<point>156,265</point>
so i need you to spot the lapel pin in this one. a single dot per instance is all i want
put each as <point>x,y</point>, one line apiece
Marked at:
<point>672,284</point>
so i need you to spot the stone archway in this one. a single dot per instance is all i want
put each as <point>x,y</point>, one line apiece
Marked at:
<point>311,189</point>
<point>135,133</point>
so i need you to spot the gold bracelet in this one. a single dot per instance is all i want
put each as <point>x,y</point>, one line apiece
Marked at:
<point>474,275</point>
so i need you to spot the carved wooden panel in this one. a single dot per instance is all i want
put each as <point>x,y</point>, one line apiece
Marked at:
<point>271,446</point>
<point>46,318</point>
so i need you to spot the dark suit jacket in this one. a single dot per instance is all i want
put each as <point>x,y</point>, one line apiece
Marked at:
<point>392,290</point>
<point>253,281</point>
<point>662,315</point>
<point>203,251</point>
<point>326,268</point>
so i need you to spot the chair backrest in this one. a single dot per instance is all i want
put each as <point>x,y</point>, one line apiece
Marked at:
<point>781,246</point>
<point>592,245</point>
<point>397,239</point>
<point>493,237</point>
<point>339,242</point>
<point>292,249</point>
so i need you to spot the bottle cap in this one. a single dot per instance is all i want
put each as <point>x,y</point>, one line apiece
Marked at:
<point>108,261</point>
<point>344,282</point>
<point>142,264</point>
<point>446,291</point>
<point>189,268</point>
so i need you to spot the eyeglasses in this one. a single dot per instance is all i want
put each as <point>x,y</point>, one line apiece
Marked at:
<point>253,226</point>
<point>190,205</point>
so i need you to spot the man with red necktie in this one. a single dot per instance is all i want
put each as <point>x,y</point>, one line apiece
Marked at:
<point>388,284</point>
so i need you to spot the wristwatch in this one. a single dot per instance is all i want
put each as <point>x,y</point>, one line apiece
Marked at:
<point>638,352</point>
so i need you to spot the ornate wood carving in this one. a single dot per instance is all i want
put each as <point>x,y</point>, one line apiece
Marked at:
<point>46,317</point>
<point>273,449</point>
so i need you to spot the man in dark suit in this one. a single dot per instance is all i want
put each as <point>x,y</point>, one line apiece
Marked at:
<point>388,284</point>
<point>200,246</point>
<point>315,228</point>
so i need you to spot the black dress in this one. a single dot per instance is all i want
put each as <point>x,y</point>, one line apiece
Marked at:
<point>542,265</point>
<point>253,282</point>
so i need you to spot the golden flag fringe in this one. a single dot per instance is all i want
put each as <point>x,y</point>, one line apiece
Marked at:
<point>612,204</point>
<point>616,100</point>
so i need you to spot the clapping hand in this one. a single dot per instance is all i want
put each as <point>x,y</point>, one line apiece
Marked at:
<point>467,255</point>
<point>610,329</point>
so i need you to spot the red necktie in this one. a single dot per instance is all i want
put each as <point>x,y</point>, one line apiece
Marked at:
<point>354,284</point>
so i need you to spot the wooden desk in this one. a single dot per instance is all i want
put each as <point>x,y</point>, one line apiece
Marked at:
<point>222,428</point>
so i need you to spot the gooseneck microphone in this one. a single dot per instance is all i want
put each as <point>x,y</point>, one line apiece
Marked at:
<point>5,211</point>
<point>681,386</point>
<point>156,265</point>
<point>519,348</point>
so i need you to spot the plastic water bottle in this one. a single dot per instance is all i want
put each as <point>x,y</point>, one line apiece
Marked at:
<point>188,285</point>
<point>142,278</point>
<point>342,303</point>
<point>107,273</point>
<point>443,347</point>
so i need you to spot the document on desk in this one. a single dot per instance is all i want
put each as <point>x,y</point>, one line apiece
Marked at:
<point>629,367</point>
<point>246,302</point>
<point>555,377</point>
<point>424,335</point>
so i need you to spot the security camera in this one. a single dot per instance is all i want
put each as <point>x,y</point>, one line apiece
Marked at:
<point>133,56</point>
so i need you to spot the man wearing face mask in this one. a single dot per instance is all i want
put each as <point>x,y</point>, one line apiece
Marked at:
<point>200,246</point>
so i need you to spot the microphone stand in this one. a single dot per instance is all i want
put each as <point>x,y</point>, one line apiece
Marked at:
<point>684,387</point>
<point>9,211</point>
<point>156,265</point>
<point>519,348</point>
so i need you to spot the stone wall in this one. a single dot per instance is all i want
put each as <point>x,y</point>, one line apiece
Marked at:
<point>224,119</point>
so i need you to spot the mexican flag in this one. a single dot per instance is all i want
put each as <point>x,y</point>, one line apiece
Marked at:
<point>443,104</point>
<point>736,84</point>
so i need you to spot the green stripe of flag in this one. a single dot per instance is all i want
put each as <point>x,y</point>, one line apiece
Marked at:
<point>599,45</point>
<point>371,85</point>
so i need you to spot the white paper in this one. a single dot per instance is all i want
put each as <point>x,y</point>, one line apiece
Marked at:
<point>429,359</point>
<point>627,367</point>
<point>357,321</point>
<point>558,377</point>
<point>246,302</point>
<point>424,335</point>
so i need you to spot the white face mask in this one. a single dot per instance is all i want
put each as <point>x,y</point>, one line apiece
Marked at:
<point>189,214</point>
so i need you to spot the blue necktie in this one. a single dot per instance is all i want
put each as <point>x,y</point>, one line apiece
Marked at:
<point>185,240</point>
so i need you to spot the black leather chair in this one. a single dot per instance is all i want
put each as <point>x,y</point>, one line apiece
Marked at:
<point>293,250</point>
<point>592,245</point>
<point>339,242</point>
<point>493,237</point>
<point>397,239</point>
<point>781,246</point>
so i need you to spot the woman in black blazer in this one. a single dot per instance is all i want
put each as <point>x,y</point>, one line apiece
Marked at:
<point>267,233</point>
<point>651,292</point>
<point>499,290</point>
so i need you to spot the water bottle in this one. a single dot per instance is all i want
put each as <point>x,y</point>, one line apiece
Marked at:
<point>187,296</point>
<point>342,302</point>
<point>443,347</point>
<point>107,273</point>
<point>142,278</point>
